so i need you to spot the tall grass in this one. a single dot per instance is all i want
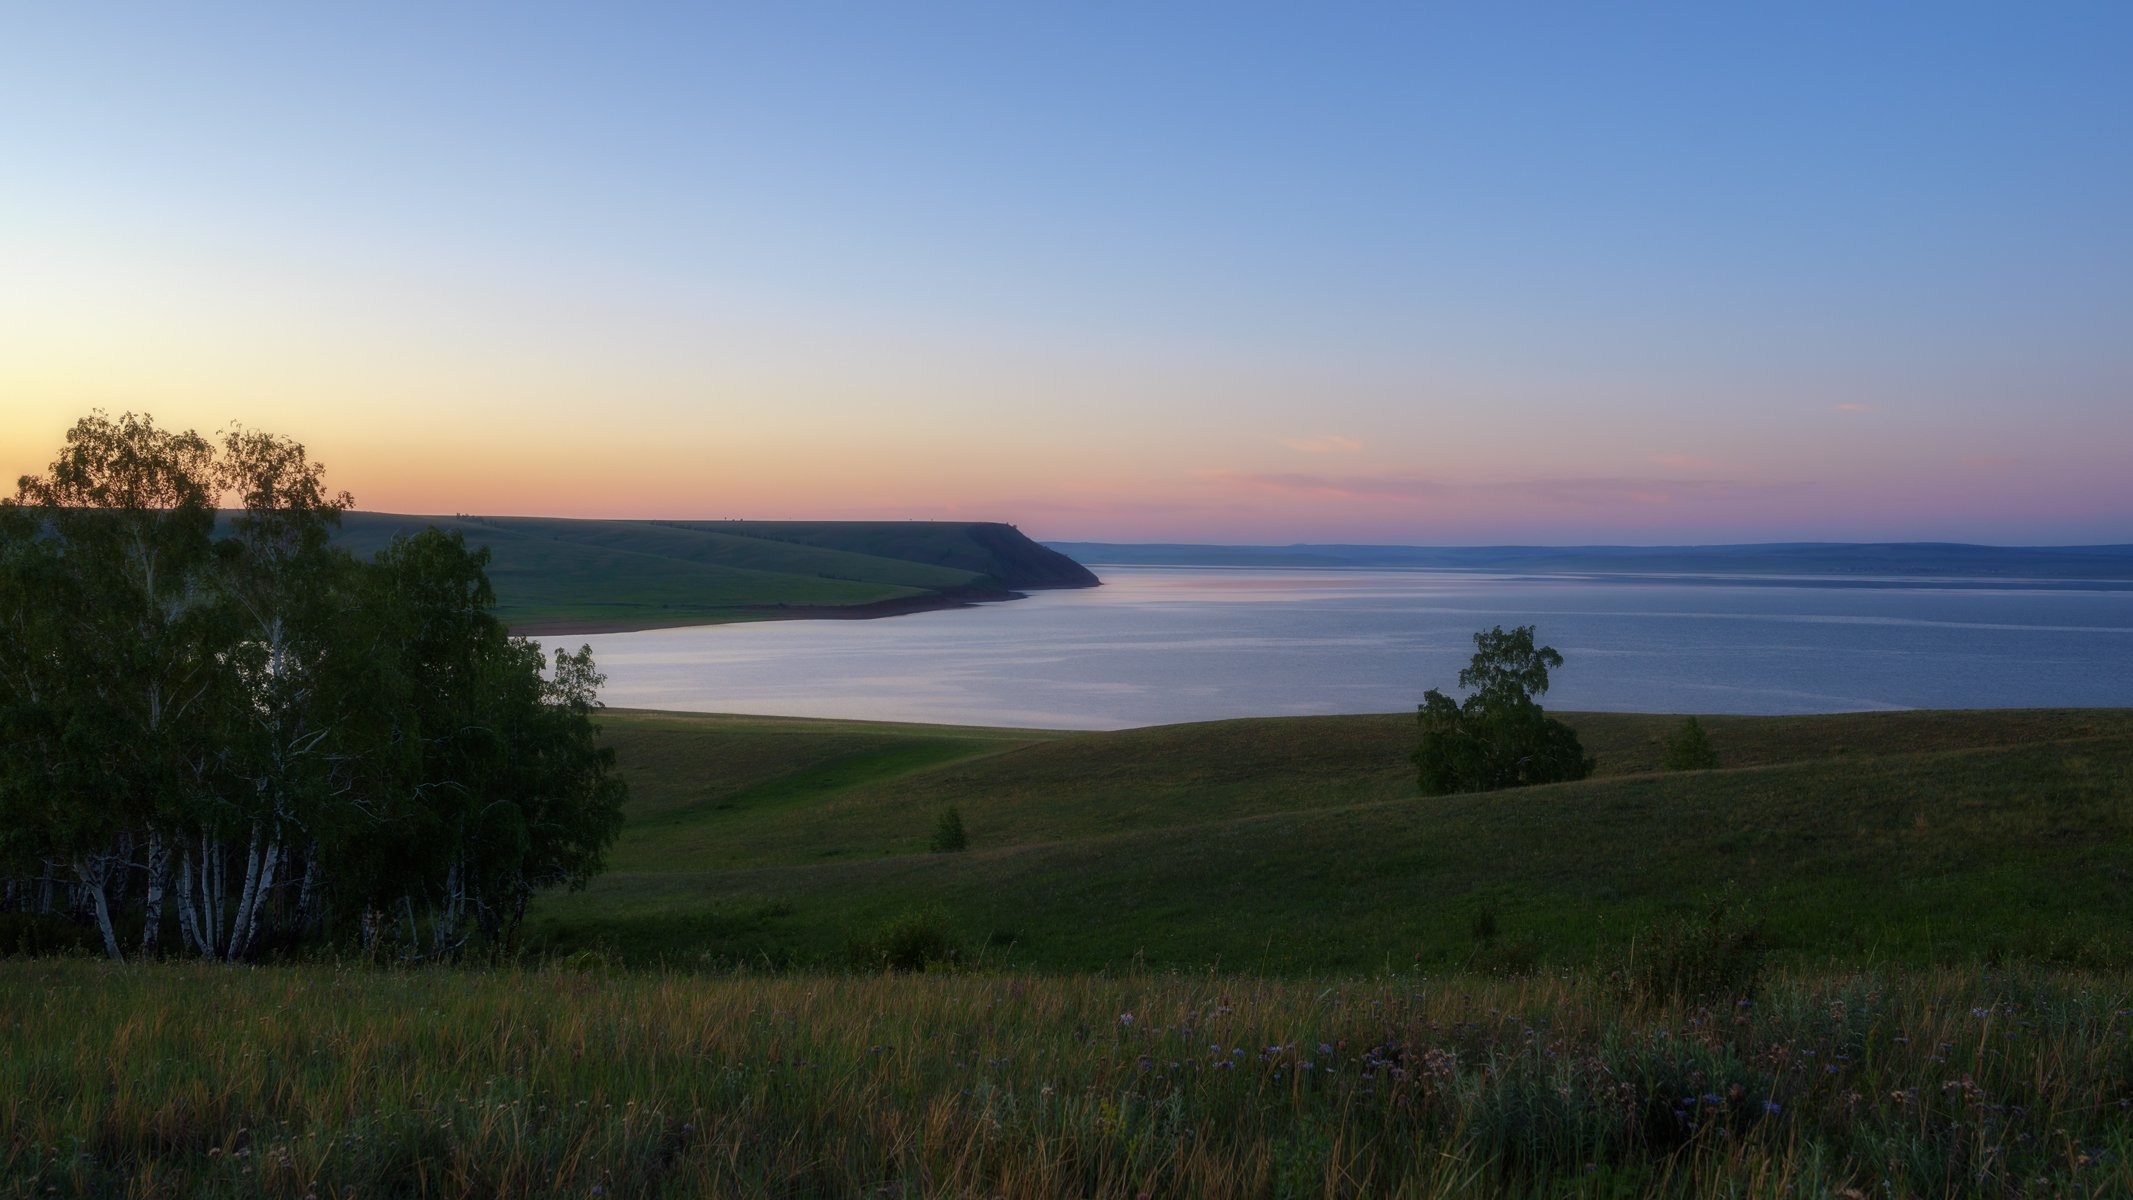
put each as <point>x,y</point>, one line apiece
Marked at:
<point>202,1081</point>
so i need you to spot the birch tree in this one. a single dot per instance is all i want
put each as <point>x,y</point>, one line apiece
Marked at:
<point>260,732</point>
<point>131,510</point>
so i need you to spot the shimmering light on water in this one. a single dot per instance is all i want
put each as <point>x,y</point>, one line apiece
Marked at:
<point>1158,645</point>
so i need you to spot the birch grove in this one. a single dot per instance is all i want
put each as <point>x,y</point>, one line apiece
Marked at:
<point>226,738</point>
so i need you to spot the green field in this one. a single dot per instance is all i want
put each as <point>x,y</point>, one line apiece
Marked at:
<point>554,573</point>
<point>1298,845</point>
<point>204,1081</point>
<point>1229,959</point>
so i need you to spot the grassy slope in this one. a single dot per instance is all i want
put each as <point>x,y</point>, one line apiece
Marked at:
<point>1297,844</point>
<point>640,573</point>
<point>202,1081</point>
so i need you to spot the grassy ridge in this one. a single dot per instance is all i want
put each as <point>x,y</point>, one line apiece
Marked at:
<point>227,1082</point>
<point>1296,845</point>
<point>551,573</point>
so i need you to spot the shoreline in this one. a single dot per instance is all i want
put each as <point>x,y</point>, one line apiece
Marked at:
<point>896,607</point>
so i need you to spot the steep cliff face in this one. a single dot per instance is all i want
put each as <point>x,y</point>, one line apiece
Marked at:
<point>998,551</point>
<point>1022,563</point>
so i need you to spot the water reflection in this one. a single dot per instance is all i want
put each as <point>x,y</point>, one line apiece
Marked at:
<point>1158,645</point>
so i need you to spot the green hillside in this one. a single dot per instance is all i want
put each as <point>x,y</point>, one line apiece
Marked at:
<point>554,574</point>
<point>1299,845</point>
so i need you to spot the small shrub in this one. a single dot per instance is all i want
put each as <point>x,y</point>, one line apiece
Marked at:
<point>948,835</point>
<point>588,962</point>
<point>1715,954</point>
<point>1484,928</point>
<point>917,940</point>
<point>1689,749</point>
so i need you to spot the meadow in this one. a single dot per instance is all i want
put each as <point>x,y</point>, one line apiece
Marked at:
<point>1872,955</point>
<point>349,1081</point>
<point>1297,846</point>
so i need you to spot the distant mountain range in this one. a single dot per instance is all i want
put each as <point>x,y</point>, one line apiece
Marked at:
<point>1836,559</point>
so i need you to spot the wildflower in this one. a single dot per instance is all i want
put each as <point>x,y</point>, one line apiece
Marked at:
<point>1772,1107</point>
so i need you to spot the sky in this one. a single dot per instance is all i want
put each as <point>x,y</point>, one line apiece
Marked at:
<point>1425,273</point>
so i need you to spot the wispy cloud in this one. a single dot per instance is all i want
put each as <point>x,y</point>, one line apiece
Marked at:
<point>1566,492</point>
<point>1325,443</point>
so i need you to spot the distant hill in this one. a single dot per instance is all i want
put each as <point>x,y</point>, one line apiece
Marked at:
<point>1298,845</point>
<point>1863,559</point>
<point>556,574</point>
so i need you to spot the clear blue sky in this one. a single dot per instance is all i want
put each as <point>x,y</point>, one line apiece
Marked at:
<point>1423,273</point>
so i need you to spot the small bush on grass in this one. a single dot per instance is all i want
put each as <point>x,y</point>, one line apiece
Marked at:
<point>1492,955</point>
<point>916,940</point>
<point>949,836</point>
<point>1689,749</point>
<point>1713,955</point>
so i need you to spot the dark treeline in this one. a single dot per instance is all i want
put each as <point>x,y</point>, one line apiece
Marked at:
<point>224,737</point>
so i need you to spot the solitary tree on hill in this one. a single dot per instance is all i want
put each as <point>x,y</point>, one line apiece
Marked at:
<point>949,835</point>
<point>1497,737</point>
<point>1689,749</point>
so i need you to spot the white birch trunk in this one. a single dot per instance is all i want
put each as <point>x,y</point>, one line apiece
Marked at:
<point>213,864</point>
<point>188,924</point>
<point>307,891</point>
<point>250,895</point>
<point>158,880</point>
<point>247,931</point>
<point>92,870</point>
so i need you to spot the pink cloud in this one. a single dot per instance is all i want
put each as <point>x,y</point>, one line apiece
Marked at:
<point>1567,492</point>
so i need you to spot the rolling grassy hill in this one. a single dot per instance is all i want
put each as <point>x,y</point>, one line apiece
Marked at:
<point>555,574</point>
<point>1298,845</point>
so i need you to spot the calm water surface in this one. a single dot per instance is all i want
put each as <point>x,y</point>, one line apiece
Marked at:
<point>1156,645</point>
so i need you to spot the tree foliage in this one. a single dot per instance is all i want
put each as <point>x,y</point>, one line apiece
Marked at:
<point>1498,737</point>
<point>949,834</point>
<point>222,735</point>
<point>1689,748</point>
